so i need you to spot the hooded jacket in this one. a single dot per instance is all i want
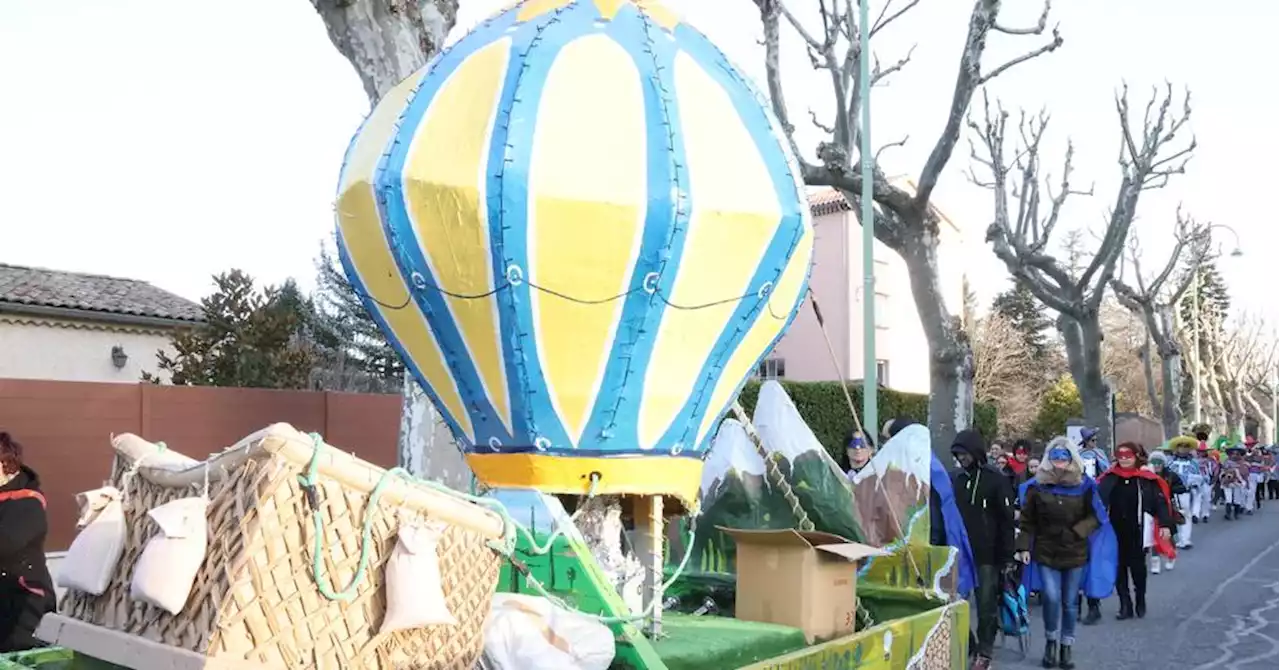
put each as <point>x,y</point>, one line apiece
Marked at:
<point>985,500</point>
<point>1056,522</point>
<point>26,589</point>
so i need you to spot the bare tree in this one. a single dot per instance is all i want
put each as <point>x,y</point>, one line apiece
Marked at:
<point>386,41</point>
<point>1125,343</point>
<point>1155,301</point>
<point>904,221</point>
<point>1244,359</point>
<point>1027,207</point>
<point>1005,372</point>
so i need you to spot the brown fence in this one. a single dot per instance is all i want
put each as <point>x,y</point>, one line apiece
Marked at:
<point>65,428</point>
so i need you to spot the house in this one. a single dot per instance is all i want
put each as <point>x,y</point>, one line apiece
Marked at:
<point>69,326</point>
<point>902,352</point>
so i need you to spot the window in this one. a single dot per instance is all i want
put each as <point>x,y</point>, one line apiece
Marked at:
<point>882,372</point>
<point>772,368</point>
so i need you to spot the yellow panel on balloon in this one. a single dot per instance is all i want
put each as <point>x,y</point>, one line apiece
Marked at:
<point>588,192</point>
<point>769,322</point>
<point>532,9</point>
<point>444,182</point>
<point>361,234</point>
<point>735,213</point>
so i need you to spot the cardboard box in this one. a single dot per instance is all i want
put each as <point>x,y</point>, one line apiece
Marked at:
<point>806,580</point>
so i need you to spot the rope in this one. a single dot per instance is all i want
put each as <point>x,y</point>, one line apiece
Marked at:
<point>771,466</point>
<point>645,613</point>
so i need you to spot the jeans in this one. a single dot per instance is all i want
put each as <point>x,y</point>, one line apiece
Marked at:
<point>1060,613</point>
<point>988,597</point>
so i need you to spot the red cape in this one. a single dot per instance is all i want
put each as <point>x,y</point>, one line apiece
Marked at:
<point>1162,546</point>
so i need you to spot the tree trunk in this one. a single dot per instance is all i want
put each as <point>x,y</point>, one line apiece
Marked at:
<point>950,356</point>
<point>1148,374</point>
<point>1170,372</point>
<point>1083,340</point>
<point>1264,417</point>
<point>386,41</point>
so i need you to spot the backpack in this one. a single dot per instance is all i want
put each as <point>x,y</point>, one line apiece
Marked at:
<point>1014,614</point>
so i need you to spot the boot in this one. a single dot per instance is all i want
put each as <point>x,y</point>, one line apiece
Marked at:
<point>1230,509</point>
<point>1195,520</point>
<point>1094,615</point>
<point>981,663</point>
<point>1050,659</point>
<point>1140,605</point>
<point>1126,607</point>
<point>1064,657</point>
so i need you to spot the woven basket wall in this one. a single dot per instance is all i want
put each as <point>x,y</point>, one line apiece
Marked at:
<point>255,598</point>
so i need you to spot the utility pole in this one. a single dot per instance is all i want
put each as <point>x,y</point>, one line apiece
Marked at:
<point>870,371</point>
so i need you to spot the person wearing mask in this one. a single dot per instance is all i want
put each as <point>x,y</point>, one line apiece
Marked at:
<point>1129,493</point>
<point>985,501</point>
<point>1178,493</point>
<point>1257,474</point>
<point>1209,467</point>
<point>1095,463</point>
<point>26,589</point>
<point>858,454</point>
<point>1017,465</point>
<point>1066,543</point>
<point>1235,482</point>
<point>1186,495</point>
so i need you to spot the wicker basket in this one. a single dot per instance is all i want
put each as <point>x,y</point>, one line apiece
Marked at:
<point>255,601</point>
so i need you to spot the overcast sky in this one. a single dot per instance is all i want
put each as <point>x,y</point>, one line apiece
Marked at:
<point>168,140</point>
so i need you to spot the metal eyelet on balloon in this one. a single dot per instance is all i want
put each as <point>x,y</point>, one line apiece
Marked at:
<point>765,289</point>
<point>495,444</point>
<point>418,280</point>
<point>541,444</point>
<point>675,451</point>
<point>515,276</point>
<point>650,283</point>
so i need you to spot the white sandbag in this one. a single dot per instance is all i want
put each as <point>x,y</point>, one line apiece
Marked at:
<point>91,560</point>
<point>167,568</point>
<point>529,633</point>
<point>415,597</point>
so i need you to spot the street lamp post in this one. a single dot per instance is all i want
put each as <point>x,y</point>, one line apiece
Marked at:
<point>870,387</point>
<point>1195,325</point>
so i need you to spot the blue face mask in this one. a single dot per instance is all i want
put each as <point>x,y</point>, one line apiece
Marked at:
<point>1059,454</point>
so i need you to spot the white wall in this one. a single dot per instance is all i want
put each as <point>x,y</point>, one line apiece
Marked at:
<point>68,351</point>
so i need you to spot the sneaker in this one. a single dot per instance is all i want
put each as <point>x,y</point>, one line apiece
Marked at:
<point>981,663</point>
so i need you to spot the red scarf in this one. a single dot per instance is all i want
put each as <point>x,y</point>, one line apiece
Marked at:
<point>1017,466</point>
<point>1162,546</point>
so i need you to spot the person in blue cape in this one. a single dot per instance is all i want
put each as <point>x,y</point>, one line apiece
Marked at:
<point>1066,542</point>
<point>946,526</point>
<point>1096,462</point>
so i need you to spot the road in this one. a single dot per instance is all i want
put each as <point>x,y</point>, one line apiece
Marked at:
<point>1217,610</point>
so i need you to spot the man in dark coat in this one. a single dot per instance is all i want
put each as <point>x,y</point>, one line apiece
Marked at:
<point>985,500</point>
<point>26,589</point>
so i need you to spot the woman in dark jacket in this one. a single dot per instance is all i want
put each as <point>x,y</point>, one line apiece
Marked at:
<point>1128,491</point>
<point>26,590</point>
<point>1057,519</point>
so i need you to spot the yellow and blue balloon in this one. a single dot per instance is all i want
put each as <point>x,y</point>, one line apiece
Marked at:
<point>581,229</point>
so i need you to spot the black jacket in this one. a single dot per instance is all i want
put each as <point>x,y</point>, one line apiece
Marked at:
<point>985,500</point>
<point>26,589</point>
<point>1126,499</point>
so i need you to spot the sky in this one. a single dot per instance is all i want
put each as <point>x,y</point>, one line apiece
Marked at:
<point>168,140</point>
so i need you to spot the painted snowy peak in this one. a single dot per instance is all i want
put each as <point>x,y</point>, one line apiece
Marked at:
<point>909,451</point>
<point>731,451</point>
<point>781,428</point>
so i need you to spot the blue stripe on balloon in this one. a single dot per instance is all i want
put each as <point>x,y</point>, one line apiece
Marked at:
<point>509,204</point>
<point>779,251</point>
<point>613,425</point>
<point>409,256</point>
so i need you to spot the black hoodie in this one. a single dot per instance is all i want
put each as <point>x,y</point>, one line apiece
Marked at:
<point>26,590</point>
<point>985,500</point>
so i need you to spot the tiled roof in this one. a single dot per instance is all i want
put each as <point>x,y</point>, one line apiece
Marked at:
<point>88,293</point>
<point>830,201</point>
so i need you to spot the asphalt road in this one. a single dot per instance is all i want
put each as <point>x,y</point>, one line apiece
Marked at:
<point>1216,610</point>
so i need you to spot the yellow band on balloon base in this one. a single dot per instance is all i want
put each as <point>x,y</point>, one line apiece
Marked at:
<point>647,475</point>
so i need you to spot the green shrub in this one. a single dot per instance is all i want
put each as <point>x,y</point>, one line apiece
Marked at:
<point>822,405</point>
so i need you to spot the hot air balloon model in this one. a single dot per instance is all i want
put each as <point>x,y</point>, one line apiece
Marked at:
<point>581,230</point>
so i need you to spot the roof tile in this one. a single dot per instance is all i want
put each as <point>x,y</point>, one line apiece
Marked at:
<point>93,293</point>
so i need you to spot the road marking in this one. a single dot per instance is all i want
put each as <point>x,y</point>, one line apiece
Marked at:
<point>1181,634</point>
<point>1239,631</point>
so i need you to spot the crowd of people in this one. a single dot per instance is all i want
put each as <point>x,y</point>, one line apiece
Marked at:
<point>1076,527</point>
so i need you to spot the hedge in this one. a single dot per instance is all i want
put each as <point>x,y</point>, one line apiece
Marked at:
<point>822,405</point>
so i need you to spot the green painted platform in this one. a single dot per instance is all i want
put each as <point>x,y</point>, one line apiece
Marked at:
<point>720,643</point>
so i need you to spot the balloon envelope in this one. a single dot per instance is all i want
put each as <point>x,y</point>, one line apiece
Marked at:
<point>580,228</point>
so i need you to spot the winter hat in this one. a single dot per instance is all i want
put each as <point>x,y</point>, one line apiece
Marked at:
<point>1159,458</point>
<point>1088,434</point>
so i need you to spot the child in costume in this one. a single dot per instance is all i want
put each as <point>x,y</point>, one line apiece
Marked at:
<point>1178,494</point>
<point>1209,467</point>
<point>1257,474</point>
<point>1273,473</point>
<point>1130,494</point>
<point>1235,482</point>
<point>1066,543</point>
<point>1183,466</point>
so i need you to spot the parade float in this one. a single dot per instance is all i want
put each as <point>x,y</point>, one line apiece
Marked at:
<point>582,231</point>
